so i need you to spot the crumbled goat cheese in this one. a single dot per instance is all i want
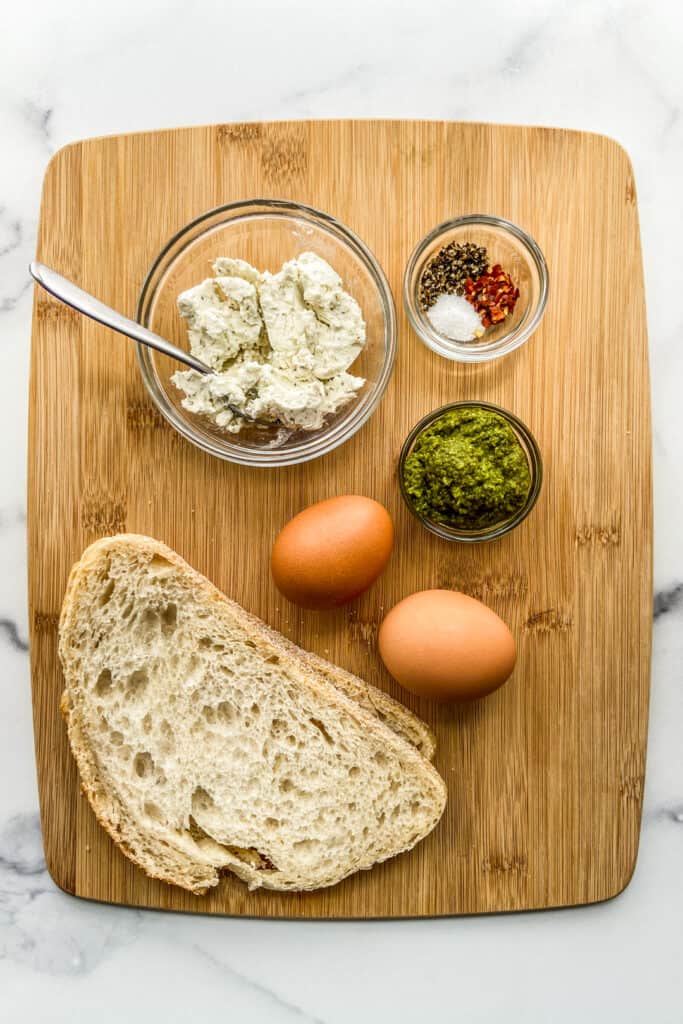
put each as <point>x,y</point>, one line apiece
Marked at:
<point>280,343</point>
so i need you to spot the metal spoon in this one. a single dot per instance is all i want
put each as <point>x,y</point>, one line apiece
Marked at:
<point>68,292</point>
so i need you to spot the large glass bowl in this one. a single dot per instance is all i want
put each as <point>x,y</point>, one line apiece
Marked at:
<point>266,233</point>
<point>518,254</point>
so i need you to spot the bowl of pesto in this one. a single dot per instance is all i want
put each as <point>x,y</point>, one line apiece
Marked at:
<point>470,471</point>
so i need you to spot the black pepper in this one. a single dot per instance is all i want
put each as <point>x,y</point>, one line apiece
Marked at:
<point>448,269</point>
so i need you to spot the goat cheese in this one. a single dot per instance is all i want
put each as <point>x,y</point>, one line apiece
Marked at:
<point>280,344</point>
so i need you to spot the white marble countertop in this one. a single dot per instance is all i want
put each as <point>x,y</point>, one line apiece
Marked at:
<point>73,69</point>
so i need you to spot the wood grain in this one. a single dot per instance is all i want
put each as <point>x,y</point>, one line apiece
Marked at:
<point>545,777</point>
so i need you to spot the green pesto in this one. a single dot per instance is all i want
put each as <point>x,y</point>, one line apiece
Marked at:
<point>467,470</point>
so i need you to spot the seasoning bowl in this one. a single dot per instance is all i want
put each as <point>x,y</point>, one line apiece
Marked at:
<point>518,254</point>
<point>266,233</point>
<point>528,445</point>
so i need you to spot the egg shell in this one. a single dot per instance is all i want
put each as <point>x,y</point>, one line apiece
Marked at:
<point>447,646</point>
<point>332,551</point>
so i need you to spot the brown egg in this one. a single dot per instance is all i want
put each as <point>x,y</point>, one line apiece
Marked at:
<point>447,646</point>
<point>332,551</point>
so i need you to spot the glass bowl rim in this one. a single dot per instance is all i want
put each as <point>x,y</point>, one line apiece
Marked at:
<point>327,439</point>
<point>534,459</point>
<point>462,351</point>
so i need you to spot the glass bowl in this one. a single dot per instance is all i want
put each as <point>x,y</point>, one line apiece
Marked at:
<point>528,443</point>
<point>517,253</point>
<point>266,233</point>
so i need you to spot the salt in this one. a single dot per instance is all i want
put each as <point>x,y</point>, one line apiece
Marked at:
<point>455,318</point>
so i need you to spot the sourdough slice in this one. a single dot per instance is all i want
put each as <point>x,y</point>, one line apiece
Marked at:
<point>206,741</point>
<point>402,721</point>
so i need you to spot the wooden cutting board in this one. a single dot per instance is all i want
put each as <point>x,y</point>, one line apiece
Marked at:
<point>545,777</point>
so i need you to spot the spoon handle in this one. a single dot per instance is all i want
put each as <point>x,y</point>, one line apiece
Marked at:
<point>87,304</point>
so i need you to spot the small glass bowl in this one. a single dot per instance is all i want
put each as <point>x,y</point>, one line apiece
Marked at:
<point>266,233</point>
<point>517,253</point>
<point>528,443</point>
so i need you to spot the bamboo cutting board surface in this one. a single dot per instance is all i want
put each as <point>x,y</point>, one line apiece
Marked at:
<point>545,777</point>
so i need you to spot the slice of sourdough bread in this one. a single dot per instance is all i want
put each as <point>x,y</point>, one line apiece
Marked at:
<point>206,741</point>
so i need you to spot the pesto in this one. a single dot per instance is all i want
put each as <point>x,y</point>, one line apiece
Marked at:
<point>467,470</point>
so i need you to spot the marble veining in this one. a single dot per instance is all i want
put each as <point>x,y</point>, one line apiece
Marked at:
<point>9,302</point>
<point>525,50</point>
<point>289,1011</point>
<point>10,233</point>
<point>72,70</point>
<point>668,600</point>
<point>12,241</point>
<point>41,927</point>
<point>40,117</point>
<point>10,631</point>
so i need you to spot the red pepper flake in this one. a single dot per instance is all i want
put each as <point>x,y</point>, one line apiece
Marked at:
<point>493,295</point>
